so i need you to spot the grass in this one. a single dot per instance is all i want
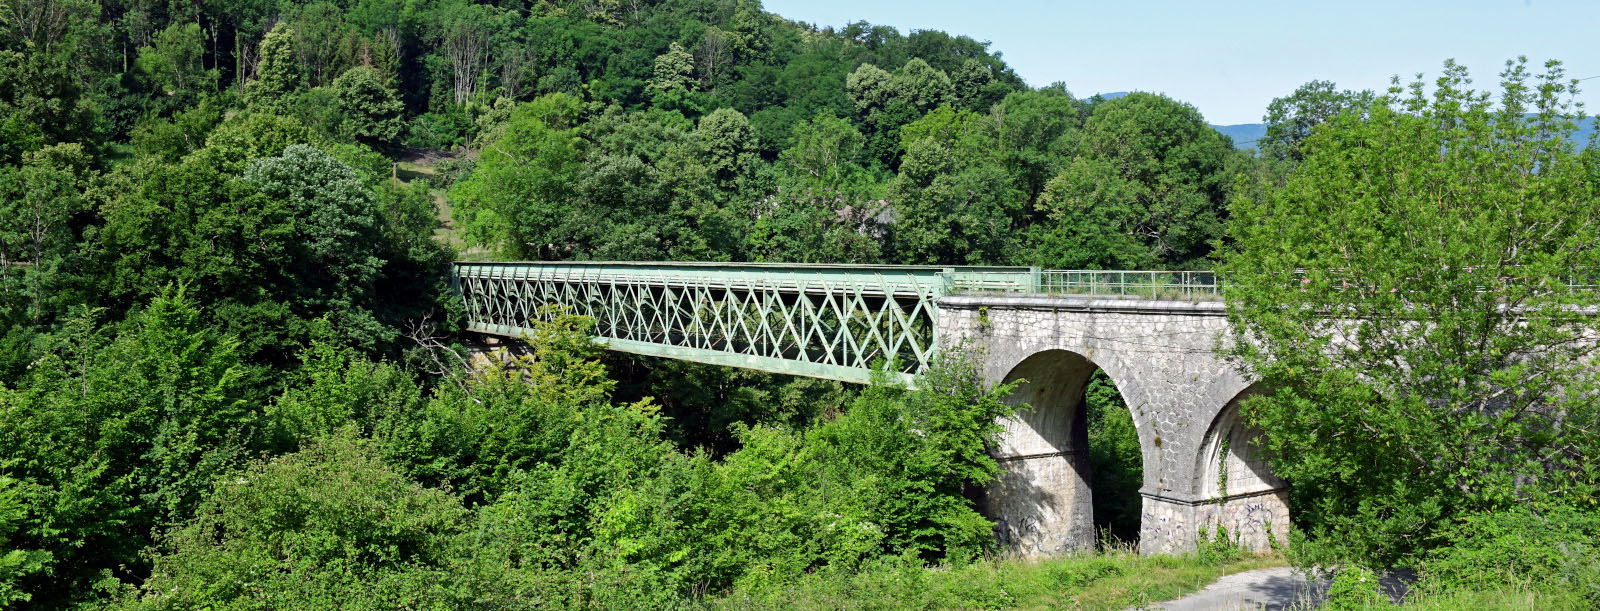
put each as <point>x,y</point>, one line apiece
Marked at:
<point>1117,579</point>
<point>1509,598</point>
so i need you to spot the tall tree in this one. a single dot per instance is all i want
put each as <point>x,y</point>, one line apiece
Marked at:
<point>1290,119</point>
<point>952,202</point>
<point>371,112</point>
<point>1037,131</point>
<point>1147,182</point>
<point>463,34</point>
<point>1404,297</point>
<point>523,186</point>
<point>175,62</point>
<point>278,74</point>
<point>44,200</point>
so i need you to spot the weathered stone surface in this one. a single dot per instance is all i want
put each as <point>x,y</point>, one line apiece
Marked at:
<point>1042,505</point>
<point>1162,356</point>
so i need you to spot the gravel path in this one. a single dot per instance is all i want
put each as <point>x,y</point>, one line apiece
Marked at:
<point>1277,589</point>
<point>1273,589</point>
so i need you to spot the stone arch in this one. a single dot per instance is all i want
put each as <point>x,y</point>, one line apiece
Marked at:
<point>1042,501</point>
<point>1235,487</point>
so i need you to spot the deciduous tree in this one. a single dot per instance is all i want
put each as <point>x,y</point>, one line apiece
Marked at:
<point>1404,298</point>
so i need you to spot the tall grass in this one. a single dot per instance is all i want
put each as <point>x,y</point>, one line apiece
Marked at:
<point>1112,579</point>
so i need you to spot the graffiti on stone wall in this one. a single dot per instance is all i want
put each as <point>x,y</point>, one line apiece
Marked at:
<point>1028,533</point>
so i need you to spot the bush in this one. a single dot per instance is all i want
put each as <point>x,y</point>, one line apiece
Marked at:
<point>1355,589</point>
<point>1550,547</point>
<point>328,527</point>
<point>111,439</point>
<point>436,130</point>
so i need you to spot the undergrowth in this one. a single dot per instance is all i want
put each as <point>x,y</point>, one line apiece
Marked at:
<point>1110,579</point>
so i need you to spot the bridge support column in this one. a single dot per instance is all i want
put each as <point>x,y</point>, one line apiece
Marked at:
<point>1041,501</point>
<point>1041,504</point>
<point>1255,521</point>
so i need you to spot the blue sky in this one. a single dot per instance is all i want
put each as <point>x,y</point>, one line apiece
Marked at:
<point>1230,59</point>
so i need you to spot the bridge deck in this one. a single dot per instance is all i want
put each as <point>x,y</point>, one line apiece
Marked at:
<point>838,322</point>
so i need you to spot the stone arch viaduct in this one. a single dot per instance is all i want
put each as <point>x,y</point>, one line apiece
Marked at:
<point>1155,335</point>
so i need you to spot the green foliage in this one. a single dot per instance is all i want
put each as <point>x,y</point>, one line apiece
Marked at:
<point>825,208</point>
<point>334,388</point>
<point>174,64</point>
<point>725,136</point>
<point>515,415</point>
<point>672,70</point>
<point>328,526</point>
<point>45,100</point>
<point>247,137</point>
<point>440,130</point>
<point>1144,189</point>
<point>522,186</point>
<point>151,146</point>
<point>1371,292</point>
<point>271,241</point>
<point>921,85</point>
<point>1036,132</point>
<point>278,72</point>
<point>1215,546</point>
<point>1552,549</point>
<point>15,564</point>
<point>1111,580</point>
<point>952,202</point>
<point>371,110</point>
<point>1115,460</point>
<point>907,457</point>
<point>1290,119</point>
<point>115,437</point>
<point>743,398</point>
<point>44,198</point>
<point>1355,589</point>
<point>825,152</point>
<point>172,138</point>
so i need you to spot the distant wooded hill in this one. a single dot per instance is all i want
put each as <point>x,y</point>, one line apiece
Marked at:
<point>1245,135</point>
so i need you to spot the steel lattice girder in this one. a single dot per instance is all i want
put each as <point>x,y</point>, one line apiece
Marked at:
<point>825,321</point>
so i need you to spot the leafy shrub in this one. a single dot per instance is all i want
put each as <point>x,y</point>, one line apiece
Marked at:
<point>15,563</point>
<point>450,171</point>
<point>436,130</point>
<point>330,526</point>
<point>371,111</point>
<point>113,438</point>
<point>1217,547</point>
<point>1553,547</point>
<point>1355,589</point>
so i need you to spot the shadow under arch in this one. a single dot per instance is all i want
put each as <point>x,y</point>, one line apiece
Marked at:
<point>1042,501</point>
<point>1240,491</point>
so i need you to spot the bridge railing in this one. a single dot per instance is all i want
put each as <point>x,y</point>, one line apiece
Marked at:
<point>1143,284</point>
<point>1180,285</point>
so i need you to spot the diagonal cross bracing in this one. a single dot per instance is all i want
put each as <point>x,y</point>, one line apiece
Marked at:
<point>825,321</point>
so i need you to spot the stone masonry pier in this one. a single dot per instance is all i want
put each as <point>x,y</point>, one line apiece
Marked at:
<point>1199,468</point>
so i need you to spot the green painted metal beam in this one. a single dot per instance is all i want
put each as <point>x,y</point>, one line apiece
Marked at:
<point>826,321</point>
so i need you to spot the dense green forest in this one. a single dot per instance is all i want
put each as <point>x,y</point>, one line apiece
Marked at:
<point>231,369</point>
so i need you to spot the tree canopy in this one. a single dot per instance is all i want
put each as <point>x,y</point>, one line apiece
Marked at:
<point>1405,297</point>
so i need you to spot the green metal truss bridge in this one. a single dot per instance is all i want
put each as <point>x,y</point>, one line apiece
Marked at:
<point>839,322</point>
